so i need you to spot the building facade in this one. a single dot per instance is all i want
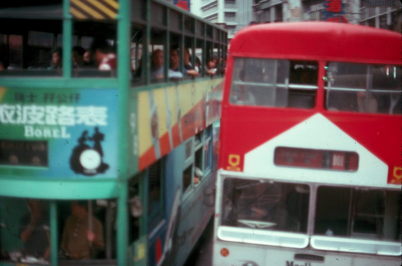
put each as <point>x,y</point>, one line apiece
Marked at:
<point>236,14</point>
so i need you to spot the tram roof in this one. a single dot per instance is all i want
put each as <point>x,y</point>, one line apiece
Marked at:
<point>318,40</point>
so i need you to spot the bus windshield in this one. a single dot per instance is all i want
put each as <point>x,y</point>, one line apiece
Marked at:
<point>265,205</point>
<point>360,213</point>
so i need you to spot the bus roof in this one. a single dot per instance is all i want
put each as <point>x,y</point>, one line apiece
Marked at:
<point>318,41</point>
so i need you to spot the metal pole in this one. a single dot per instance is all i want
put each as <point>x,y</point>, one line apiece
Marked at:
<point>53,234</point>
<point>123,77</point>
<point>67,39</point>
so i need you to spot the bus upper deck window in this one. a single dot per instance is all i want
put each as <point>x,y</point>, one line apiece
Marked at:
<point>275,83</point>
<point>363,88</point>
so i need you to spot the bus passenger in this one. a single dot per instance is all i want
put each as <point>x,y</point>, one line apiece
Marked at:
<point>190,70</point>
<point>174,66</point>
<point>157,70</point>
<point>82,234</point>
<point>105,58</point>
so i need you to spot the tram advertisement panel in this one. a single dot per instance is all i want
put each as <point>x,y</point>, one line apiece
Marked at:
<point>69,133</point>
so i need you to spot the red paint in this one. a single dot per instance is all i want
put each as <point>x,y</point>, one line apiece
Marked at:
<point>243,128</point>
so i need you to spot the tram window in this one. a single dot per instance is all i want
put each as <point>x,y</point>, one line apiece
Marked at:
<point>187,180</point>
<point>363,213</point>
<point>24,230</point>
<point>198,161</point>
<point>30,39</point>
<point>208,151</point>
<point>136,210</point>
<point>364,88</point>
<point>275,83</point>
<point>155,197</point>
<point>265,205</point>
<point>83,235</point>
<point>100,53</point>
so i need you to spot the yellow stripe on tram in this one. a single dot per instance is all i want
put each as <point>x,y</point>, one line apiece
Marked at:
<point>87,9</point>
<point>77,14</point>
<point>112,3</point>
<point>103,8</point>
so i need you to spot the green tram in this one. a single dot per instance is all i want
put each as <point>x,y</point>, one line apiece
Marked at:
<point>106,157</point>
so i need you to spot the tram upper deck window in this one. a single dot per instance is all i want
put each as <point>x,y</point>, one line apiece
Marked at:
<point>364,88</point>
<point>275,83</point>
<point>30,37</point>
<point>33,44</point>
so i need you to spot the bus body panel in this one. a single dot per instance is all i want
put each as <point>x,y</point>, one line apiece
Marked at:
<point>303,40</point>
<point>262,129</point>
<point>304,181</point>
<point>255,255</point>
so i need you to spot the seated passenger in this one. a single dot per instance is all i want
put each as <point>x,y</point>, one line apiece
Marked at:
<point>56,60</point>
<point>190,70</point>
<point>211,68</point>
<point>366,102</point>
<point>157,70</point>
<point>174,66</point>
<point>82,234</point>
<point>78,56</point>
<point>105,58</point>
<point>35,234</point>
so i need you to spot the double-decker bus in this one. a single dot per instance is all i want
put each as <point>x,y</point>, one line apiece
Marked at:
<point>106,141</point>
<point>310,159</point>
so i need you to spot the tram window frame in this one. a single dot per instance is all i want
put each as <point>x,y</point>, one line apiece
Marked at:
<point>187,179</point>
<point>101,32</point>
<point>156,210</point>
<point>252,86</point>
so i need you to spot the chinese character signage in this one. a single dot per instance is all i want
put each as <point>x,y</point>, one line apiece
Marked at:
<point>334,11</point>
<point>77,130</point>
<point>184,4</point>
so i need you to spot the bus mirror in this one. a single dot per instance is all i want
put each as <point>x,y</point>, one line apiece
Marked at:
<point>135,206</point>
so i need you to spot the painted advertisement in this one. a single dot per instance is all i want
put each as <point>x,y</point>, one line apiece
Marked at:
<point>61,134</point>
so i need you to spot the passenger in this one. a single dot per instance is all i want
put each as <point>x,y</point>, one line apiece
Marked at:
<point>262,202</point>
<point>88,59</point>
<point>366,102</point>
<point>222,66</point>
<point>211,68</point>
<point>105,58</point>
<point>190,70</point>
<point>56,60</point>
<point>78,56</point>
<point>157,69</point>
<point>174,66</point>
<point>35,234</point>
<point>82,234</point>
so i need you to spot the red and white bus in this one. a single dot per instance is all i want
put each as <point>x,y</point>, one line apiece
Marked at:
<point>311,140</point>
